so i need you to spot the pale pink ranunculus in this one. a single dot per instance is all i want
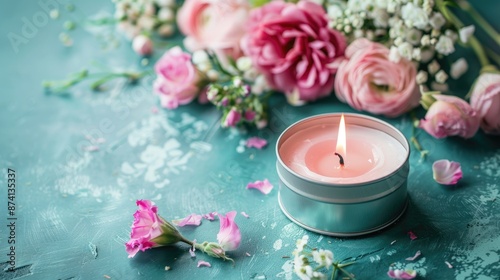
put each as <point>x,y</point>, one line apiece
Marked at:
<point>446,172</point>
<point>176,80</point>
<point>292,45</point>
<point>229,236</point>
<point>368,81</point>
<point>149,230</point>
<point>214,24</point>
<point>450,116</point>
<point>485,99</point>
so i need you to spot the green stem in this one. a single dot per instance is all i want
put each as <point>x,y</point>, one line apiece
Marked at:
<point>187,241</point>
<point>413,138</point>
<point>216,62</point>
<point>480,20</point>
<point>493,55</point>
<point>344,271</point>
<point>479,50</point>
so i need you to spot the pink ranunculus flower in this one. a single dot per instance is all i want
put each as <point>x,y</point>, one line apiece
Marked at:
<point>229,236</point>
<point>149,230</point>
<point>292,45</point>
<point>485,99</point>
<point>446,172</point>
<point>368,81</point>
<point>449,116</point>
<point>214,24</point>
<point>176,80</point>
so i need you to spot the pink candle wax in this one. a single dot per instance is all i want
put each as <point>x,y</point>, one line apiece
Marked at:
<point>370,154</point>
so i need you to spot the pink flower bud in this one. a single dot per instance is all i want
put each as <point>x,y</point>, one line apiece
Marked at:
<point>232,118</point>
<point>229,235</point>
<point>450,116</point>
<point>142,45</point>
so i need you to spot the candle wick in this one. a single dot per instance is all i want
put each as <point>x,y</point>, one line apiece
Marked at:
<point>341,159</point>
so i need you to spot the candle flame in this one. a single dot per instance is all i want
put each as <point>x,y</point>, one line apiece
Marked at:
<point>341,142</point>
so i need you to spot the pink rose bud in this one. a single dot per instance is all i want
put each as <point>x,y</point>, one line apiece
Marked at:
<point>232,118</point>
<point>304,59</point>
<point>485,99</point>
<point>446,172</point>
<point>149,230</point>
<point>369,81</point>
<point>449,116</point>
<point>250,115</point>
<point>229,235</point>
<point>176,80</point>
<point>142,45</point>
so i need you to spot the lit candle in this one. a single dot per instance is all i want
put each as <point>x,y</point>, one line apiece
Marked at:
<point>364,193</point>
<point>367,153</point>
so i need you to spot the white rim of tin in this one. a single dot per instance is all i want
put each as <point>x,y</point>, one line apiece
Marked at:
<point>387,125</point>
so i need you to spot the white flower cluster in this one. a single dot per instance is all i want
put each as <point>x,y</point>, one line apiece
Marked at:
<point>302,264</point>
<point>411,29</point>
<point>145,17</point>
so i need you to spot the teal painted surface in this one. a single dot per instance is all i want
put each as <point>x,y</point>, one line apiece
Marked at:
<point>74,208</point>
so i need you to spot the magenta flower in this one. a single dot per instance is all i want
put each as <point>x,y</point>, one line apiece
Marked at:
<point>264,187</point>
<point>292,45</point>
<point>232,118</point>
<point>446,172</point>
<point>191,220</point>
<point>229,235</point>
<point>402,274</point>
<point>149,230</point>
<point>256,142</point>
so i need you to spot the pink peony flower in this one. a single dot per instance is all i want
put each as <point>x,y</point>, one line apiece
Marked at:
<point>177,78</point>
<point>293,47</point>
<point>149,230</point>
<point>216,25</point>
<point>446,172</point>
<point>232,118</point>
<point>142,45</point>
<point>485,99</point>
<point>191,220</point>
<point>402,274</point>
<point>264,187</point>
<point>229,235</point>
<point>448,116</point>
<point>256,142</point>
<point>368,81</point>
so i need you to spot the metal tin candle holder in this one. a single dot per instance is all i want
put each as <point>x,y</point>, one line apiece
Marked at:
<point>339,209</point>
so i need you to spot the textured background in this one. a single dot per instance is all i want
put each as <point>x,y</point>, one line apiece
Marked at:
<point>69,200</point>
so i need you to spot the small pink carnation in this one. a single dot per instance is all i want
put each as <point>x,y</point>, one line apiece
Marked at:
<point>264,187</point>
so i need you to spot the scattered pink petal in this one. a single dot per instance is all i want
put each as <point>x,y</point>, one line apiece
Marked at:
<point>446,172</point>
<point>91,148</point>
<point>154,110</point>
<point>210,216</point>
<point>191,220</point>
<point>394,241</point>
<point>245,215</point>
<point>412,235</point>
<point>402,274</point>
<point>248,254</point>
<point>203,263</point>
<point>448,264</point>
<point>191,252</point>
<point>263,186</point>
<point>417,254</point>
<point>256,142</point>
